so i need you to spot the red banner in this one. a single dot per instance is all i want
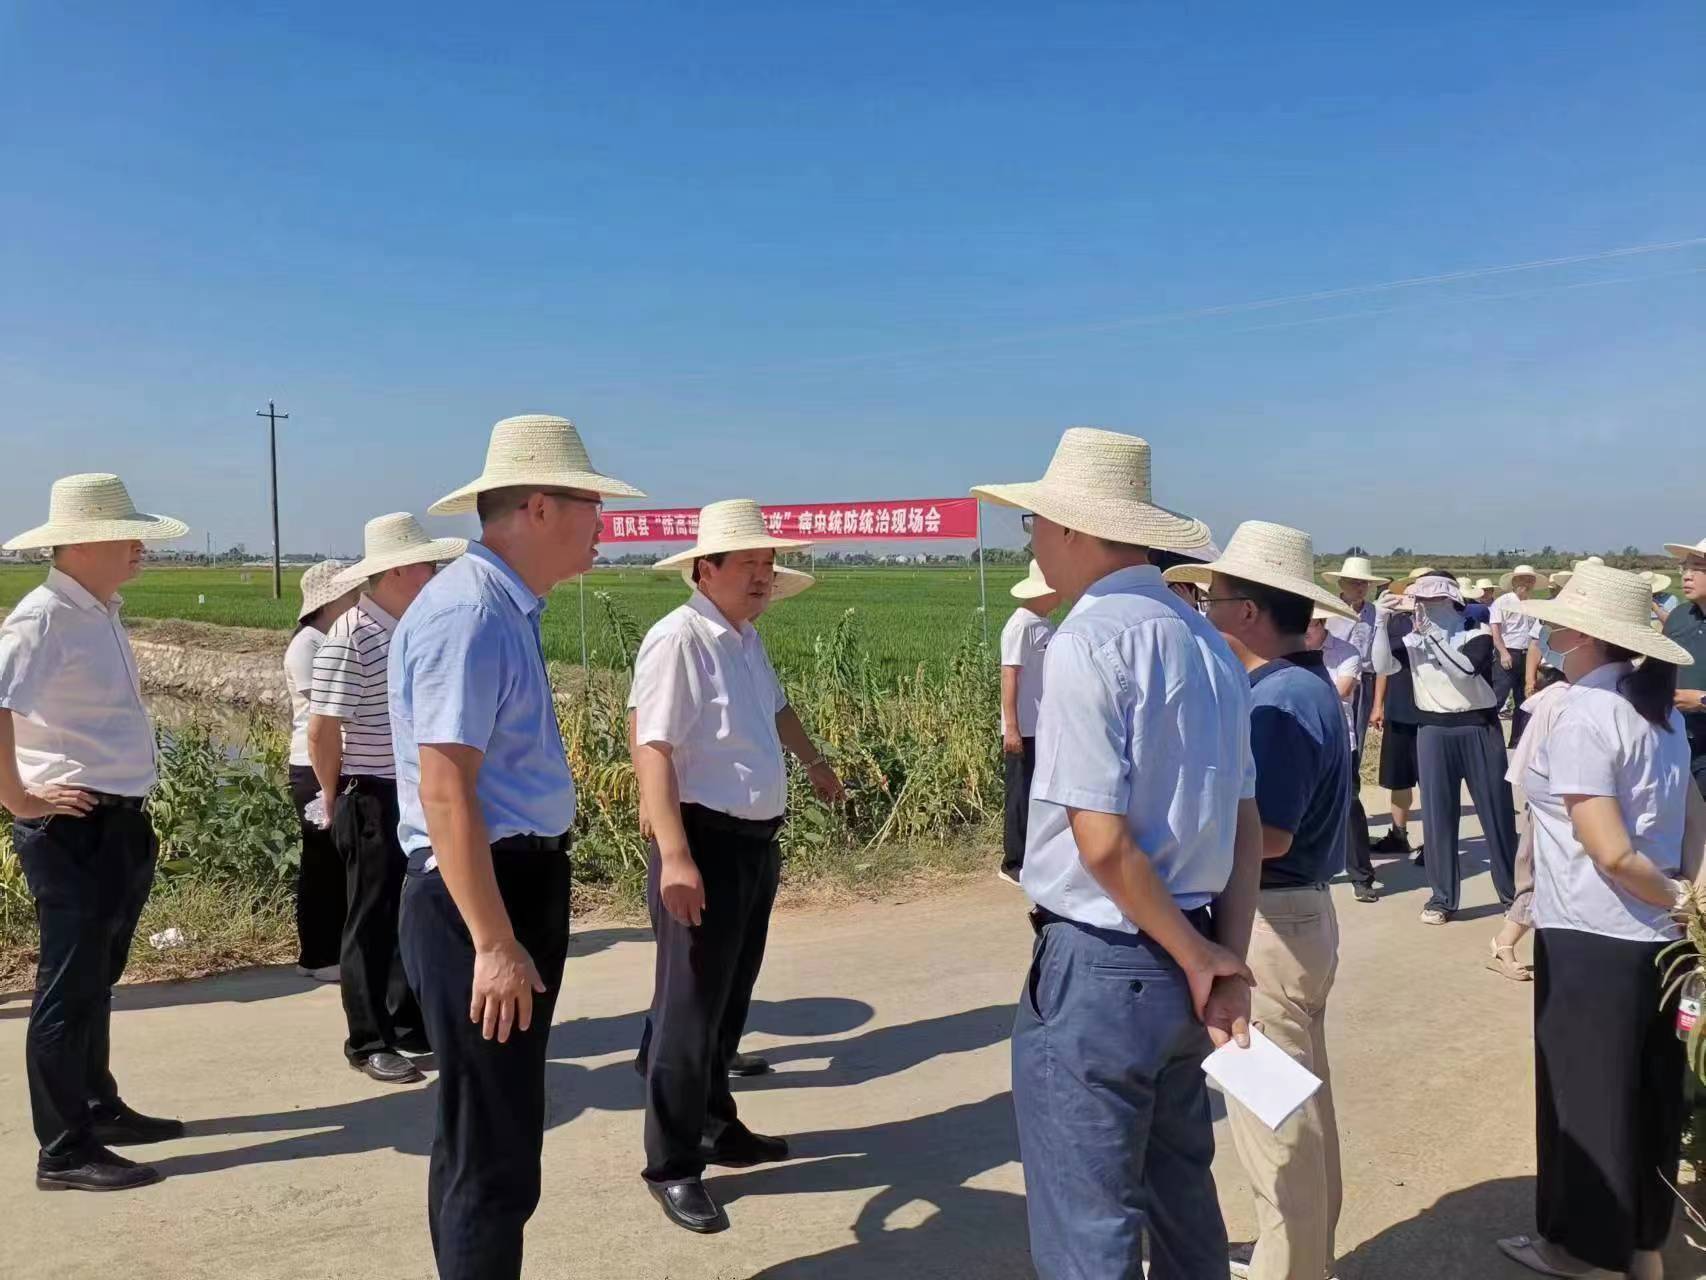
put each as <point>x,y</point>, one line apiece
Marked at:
<point>921,518</point>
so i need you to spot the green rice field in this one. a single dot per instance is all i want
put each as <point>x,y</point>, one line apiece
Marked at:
<point>906,616</point>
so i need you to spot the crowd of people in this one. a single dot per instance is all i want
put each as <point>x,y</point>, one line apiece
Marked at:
<point>1183,761</point>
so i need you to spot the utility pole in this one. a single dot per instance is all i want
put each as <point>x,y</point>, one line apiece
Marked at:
<point>272,415</point>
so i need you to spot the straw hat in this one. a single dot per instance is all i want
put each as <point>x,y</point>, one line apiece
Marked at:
<point>1098,483</point>
<point>1357,569</point>
<point>390,542</point>
<point>1483,585</point>
<point>1682,550</point>
<point>1272,556</point>
<point>1658,583</point>
<point>735,524</point>
<point>534,449</point>
<point>1521,571</point>
<point>95,508</point>
<point>1561,579</point>
<point>319,587</point>
<point>1032,585</point>
<point>1612,605</point>
<point>787,583</point>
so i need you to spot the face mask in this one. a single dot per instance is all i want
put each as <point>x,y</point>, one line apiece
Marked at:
<point>1554,650</point>
<point>1441,613</point>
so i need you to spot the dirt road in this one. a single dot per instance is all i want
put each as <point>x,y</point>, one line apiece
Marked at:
<point>888,1026</point>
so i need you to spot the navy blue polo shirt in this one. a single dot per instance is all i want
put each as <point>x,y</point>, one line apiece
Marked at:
<point>1303,768</point>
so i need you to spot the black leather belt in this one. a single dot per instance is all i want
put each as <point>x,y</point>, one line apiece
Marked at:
<point>533,844</point>
<point>1201,918</point>
<point>107,800</point>
<point>716,820</point>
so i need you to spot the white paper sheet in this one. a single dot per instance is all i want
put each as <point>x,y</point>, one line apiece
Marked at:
<point>1263,1077</point>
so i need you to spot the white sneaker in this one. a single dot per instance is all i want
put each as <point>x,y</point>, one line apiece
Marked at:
<point>1002,875</point>
<point>325,973</point>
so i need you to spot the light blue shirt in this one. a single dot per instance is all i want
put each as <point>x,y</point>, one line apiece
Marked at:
<point>467,667</point>
<point>1358,633</point>
<point>1145,712</point>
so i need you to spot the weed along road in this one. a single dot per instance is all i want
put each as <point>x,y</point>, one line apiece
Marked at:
<point>887,1022</point>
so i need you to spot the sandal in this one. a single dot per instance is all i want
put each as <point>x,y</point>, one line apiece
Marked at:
<point>1503,962</point>
<point>1525,1249</point>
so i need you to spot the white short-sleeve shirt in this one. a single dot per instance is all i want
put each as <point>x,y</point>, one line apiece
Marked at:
<point>1145,713</point>
<point>1024,641</point>
<point>1518,629</point>
<point>707,689</point>
<point>1599,745</point>
<point>299,681</point>
<point>69,678</point>
<point>1341,659</point>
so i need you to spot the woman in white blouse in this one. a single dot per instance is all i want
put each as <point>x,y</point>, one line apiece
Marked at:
<point>320,891</point>
<point>1616,821</point>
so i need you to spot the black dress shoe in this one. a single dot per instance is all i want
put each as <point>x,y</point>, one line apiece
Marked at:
<point>117,1125</point>
<point>687,1204</point>
<point>1365,893</point>
<point>742,1151</point>
<point>416,1046</point>
<point>97,1170</point>
<point>388,1068</point>
<point>748,1064</point>
<point>1396,840</point>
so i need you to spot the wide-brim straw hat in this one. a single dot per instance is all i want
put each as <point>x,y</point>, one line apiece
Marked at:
<point>1032,586</point>
<point>1521,571</point>
<point>1682,550</point>
<point>1658,583</point>
<point>735,524</point>
<point>1420,571</point>
<point>787,583</point>
<point>1271,555</point>
<point>393,541</point>
<point>95,507</point>
<point>320,587</point>
<point>1357,569</point>
<point>534,449</point>
<point>1098,482</point>
<point>1561,579</point>
<point>1612,605</point>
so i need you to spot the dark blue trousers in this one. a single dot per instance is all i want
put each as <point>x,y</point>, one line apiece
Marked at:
<point>1112,1105</point>
<point>90,878</point>
<point>483,1179</point>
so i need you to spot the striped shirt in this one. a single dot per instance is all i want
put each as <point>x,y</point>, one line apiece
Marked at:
<point>349,685</point>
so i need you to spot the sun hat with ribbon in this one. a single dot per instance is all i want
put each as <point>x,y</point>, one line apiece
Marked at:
<point>1683,550</point>
<point>319,587</point>
<point>1270,555</point>
<point>534,449</point>
<point>390,542</point>
<point>1098,482</point>
<point>1658,583</point>
<point>1357,569</point>
<point>1032,586</point>
<point>1521,571</point>
<point>1612,605</point>
<point>735,524</point>
<point>786,584</point>
<point>95,507</point>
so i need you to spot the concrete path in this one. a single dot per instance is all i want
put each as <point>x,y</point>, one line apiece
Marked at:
<point>888,1024</point>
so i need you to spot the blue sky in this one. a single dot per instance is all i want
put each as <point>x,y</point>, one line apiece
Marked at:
<point>809,252</point>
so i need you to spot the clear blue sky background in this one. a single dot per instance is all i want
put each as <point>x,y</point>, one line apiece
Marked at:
<point>804,251</point>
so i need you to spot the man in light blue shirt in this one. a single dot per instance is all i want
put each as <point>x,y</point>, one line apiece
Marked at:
<point>486,802</point>
<point>1142,816</point>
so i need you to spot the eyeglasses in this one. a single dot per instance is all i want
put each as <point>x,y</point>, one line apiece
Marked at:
<point>1027,520</point>
<point>1207,600</point>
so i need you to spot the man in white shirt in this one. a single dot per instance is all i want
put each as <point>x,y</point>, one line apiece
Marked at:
<point>1142,816</point>
<point>1344,668</point>
<point>1354,581</point>
<point>76,763</point>
<point>349,746</point>
<point>1024,641</point>
<point>1513,633</point>
<point>710,724</point>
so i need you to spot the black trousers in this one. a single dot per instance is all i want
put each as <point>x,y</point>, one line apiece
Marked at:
<point>1512,686</point>
<point>320,888</point>
<point>379,1007</point>
<point>1608,1084</point>
<point>1359,860</point>
<point>703,987</point>
<point>1017,769</point>
<point>90,878</point>
<point>483,1179</point>
<point>1450,757</point>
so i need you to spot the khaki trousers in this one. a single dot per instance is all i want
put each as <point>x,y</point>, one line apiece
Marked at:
<point>1294,1171</point>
